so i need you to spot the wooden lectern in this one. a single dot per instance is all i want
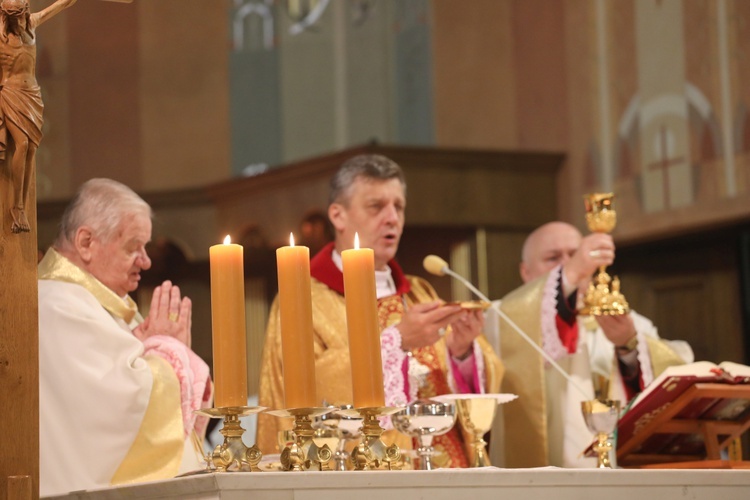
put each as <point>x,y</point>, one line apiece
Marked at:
<point>690,431</point>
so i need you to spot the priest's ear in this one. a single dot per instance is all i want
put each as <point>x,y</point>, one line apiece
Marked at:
<point>83,241</point>
<point>337,215</point>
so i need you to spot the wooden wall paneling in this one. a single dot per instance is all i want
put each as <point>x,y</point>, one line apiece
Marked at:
<point>690,288</point>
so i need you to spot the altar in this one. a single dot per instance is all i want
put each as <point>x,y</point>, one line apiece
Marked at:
<point>449,484</point>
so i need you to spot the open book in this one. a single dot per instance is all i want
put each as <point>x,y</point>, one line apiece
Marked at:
<point>668,418</point>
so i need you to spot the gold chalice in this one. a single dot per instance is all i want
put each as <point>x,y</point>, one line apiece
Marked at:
<point>604,297</point>
<point>601,416</point>
<point>476,413</point>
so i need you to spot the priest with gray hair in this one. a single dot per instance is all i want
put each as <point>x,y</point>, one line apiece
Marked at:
<point>117,390</point>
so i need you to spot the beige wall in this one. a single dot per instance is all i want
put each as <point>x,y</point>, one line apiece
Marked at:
<point>139,92</point>
<point>602,81</point>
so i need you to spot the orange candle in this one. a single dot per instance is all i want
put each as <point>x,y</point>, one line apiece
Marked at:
<point>228,322</point>
<point>362,322</point>
<point>295,311</point>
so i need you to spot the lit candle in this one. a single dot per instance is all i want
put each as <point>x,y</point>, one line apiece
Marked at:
<point>295,311</point>
<point>228,322</point>
<point>362,322</point>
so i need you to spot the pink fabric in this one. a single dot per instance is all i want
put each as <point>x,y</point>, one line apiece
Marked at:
<point>196,390</point>
<point>395,363</point>
<point>463,374</point>
<point>467,375</point>
<point>551,342</point>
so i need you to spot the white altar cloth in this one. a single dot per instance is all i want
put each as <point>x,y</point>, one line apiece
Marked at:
<point>447,484</point>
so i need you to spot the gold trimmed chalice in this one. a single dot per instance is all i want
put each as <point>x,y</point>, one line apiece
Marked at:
<point>476,413</point>
<point>601,416</point>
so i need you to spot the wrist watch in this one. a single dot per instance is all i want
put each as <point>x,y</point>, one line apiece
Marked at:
<point>630,346</point>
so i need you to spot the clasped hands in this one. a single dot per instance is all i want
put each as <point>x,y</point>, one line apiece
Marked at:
<point>424,324</point>
<point>170,315</point>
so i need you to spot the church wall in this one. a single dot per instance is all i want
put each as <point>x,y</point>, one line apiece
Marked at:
<point>104,117</point>
<point>183,95</point>
<point>475,92</point>
<point>141,92</point>
<point>137,92</point>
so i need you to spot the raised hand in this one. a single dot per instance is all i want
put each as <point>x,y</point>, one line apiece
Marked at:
<point>597,249</point>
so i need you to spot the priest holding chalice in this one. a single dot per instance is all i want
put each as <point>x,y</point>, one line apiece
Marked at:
<point>610,355</point>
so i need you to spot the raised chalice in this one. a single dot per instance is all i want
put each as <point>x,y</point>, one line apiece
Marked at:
<point>603,297</point>
<point>601,418</point>
<point>424,419</point>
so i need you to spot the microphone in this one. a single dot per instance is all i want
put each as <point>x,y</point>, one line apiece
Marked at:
<point>437,266</point>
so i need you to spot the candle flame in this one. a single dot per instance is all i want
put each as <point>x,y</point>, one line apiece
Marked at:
<point>227,240</point>
<point>356,241</point>
<point>291,239</point>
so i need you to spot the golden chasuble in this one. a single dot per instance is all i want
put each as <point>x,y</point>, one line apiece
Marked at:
<point>333,366</point>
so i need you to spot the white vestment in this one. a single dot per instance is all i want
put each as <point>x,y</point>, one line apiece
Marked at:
<point>108,413</point>
<point>559,435</point>
<point>594,357</point>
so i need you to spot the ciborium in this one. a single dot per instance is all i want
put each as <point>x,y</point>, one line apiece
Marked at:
<point>603,297</point>
<point>423,420</point>
<point>232,455</point>
<point>601,416</point>
<point>476,413</point>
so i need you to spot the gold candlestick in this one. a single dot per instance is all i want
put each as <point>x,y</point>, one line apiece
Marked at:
<point>372,453</point>
<point>232,455</point>
<point>303,453</point>
<point>604,297</point>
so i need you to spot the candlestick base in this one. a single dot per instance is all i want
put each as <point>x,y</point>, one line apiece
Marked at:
<point>232,455</point>
<point>304,454</point>
<point>372,453</point>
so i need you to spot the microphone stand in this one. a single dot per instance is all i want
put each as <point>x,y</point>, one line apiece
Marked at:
<point>501,314</point>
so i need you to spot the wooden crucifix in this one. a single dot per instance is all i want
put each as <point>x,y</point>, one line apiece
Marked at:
<point>20,132</point>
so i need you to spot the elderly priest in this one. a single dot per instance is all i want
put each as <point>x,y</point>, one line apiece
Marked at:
<point>428,348</point>
<point>117,391</point>
<point>546,427</point>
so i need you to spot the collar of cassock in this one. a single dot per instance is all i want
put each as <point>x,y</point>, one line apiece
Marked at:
<point>323,269</point>
<point>58,268</point>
